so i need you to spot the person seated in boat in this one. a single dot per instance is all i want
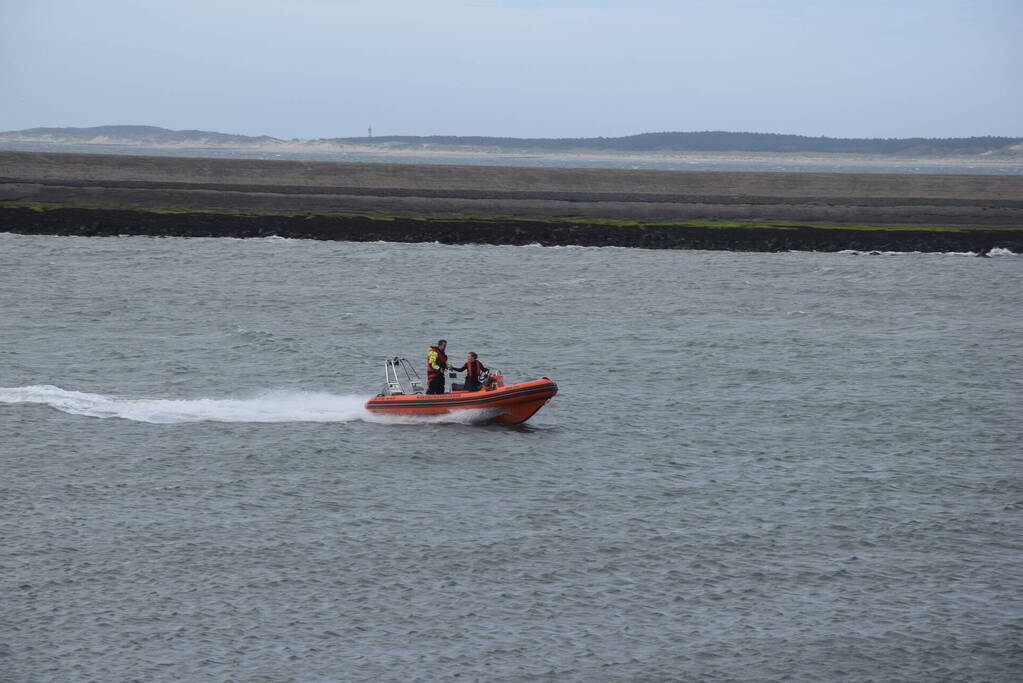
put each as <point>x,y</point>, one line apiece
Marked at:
<point>472,369</point>
<point>436,364</point>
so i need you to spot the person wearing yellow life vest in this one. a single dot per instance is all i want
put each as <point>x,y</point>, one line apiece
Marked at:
<point>436,364</point>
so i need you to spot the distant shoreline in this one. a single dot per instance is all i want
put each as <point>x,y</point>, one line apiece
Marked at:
<point>87,194</point>
<point>642,145</point>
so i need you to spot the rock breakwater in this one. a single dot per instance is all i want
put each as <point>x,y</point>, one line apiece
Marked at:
<point>107,222</point>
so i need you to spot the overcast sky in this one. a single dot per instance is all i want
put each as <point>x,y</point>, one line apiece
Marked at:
<point>521,68</point>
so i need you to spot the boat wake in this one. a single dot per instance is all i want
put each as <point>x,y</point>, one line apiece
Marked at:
<point>268,406</point>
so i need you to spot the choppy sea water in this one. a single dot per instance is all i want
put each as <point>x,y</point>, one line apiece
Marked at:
<point>759,466</point>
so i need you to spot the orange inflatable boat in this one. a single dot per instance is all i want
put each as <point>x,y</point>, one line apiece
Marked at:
<point>503,403</point>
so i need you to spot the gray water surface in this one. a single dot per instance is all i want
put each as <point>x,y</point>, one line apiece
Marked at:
<point>759,466</point>
<point>697,161</point>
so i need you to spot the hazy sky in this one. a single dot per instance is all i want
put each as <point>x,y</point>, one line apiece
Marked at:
<point>554,68</point>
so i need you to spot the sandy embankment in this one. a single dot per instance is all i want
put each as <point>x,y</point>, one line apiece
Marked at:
<point>344,191</point>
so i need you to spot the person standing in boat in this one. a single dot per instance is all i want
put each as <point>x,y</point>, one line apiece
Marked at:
<point>472,369</point>
<point>436,364</point>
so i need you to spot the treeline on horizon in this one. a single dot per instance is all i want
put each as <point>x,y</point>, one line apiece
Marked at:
<point>703,141</point>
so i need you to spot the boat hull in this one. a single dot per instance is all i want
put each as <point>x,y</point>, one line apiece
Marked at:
<point>512,404</point>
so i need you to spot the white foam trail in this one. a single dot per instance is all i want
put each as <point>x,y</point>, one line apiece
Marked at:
<point>268,406</point>
<point>271,406</point>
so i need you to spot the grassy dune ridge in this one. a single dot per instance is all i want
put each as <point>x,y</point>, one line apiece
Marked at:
<point>765,224</point>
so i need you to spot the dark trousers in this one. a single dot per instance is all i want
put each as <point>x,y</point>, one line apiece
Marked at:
<point>472,384</point>
<point>435,384</point>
